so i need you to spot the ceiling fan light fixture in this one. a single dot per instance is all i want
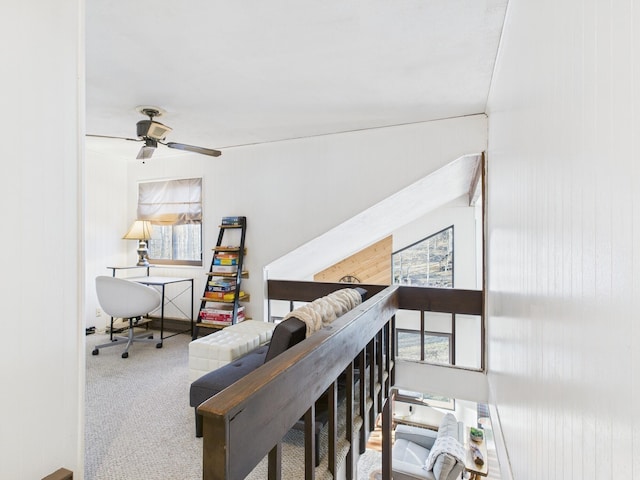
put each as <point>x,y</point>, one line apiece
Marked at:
<point>152,129</point>
<point>147,149</point>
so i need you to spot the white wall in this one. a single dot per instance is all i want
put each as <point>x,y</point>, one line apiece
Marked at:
<point>42,357</point>
<point>563,246</point>
<point>108,219</point>
<point>293,191</point>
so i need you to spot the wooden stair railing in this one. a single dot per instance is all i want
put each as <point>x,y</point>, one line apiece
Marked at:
<point>247,421</point>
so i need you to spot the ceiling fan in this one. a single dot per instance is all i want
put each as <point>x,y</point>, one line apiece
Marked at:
<point>153,133</point>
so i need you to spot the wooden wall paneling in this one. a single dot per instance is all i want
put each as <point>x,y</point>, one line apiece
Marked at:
<point>369,265</point>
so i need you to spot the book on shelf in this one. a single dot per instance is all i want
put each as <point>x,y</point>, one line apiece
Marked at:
<point>222,282</point>
<point>221,309</point>
<point>222,323</point>
<point>231,220</point>
<point>229,255</point>
<point>226,296</point>
<point>208,315</point>
<point>225,261</point>
<point>211,288</point>
<point>224,268</point>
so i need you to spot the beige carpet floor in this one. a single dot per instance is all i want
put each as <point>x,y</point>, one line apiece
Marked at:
<point>139,425</point>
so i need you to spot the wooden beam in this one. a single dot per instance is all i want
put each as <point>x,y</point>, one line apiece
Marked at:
<point>475,189</point>
<point>60,474</point>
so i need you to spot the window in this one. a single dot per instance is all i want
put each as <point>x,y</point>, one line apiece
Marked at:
<point>437,346</point>
<point>174,207</point>
<point>427,263</point>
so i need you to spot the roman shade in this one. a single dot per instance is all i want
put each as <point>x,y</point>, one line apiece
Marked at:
<point>170,202</point>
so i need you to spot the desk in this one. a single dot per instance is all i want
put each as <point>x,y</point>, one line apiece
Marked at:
<point>162,282</point>
<point>115,269</point>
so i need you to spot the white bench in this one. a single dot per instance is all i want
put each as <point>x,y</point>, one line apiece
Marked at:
<point>217,349</point>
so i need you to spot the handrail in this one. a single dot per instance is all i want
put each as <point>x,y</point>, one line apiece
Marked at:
<point>247,421</point>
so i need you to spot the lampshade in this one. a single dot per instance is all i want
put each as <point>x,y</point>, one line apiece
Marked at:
<point>140,230</point>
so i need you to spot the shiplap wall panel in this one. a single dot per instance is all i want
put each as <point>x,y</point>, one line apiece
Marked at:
<point>563,239</point>
<point>370,265</point>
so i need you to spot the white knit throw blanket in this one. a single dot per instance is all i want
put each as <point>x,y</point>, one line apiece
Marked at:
<point>325,310</point>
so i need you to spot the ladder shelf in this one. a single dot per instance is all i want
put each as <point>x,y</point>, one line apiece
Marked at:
<point>220,301</point>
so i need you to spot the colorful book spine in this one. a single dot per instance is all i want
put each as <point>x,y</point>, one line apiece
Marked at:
<point>225,261</point>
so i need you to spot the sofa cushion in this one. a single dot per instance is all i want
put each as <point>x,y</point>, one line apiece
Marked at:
<point>407,451</point>
<point>214,382</point>
<point>448,427</point>
<point>287,333</point>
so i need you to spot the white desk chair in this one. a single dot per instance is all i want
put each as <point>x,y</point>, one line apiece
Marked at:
<point>120,298</point>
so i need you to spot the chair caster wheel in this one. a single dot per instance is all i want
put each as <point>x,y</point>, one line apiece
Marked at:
<point>95,351</point>
<point>158,345</point>
<point>125,355</point>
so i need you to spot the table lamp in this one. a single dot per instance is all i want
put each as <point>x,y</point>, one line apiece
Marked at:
<point>141,231</point>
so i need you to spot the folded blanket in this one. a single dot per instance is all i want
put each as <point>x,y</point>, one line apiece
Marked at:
<point>444,444</point>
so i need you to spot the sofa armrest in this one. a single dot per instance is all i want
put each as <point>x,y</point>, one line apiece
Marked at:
<point>421,436</point>
<point>409,471</point>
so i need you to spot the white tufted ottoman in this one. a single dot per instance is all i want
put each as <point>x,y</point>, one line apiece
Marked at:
<point>217,349</point>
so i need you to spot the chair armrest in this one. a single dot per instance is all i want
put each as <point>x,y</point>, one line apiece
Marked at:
<point>421,436</point>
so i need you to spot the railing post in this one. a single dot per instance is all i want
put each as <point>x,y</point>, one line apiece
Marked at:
<point>275,462</point>
<point>387,420</point>
<point>452,350</point>
<point>380,364</point>
<point>392,374</point>
<point>362,361</point>
<point>215,460</point>
<point>333,426</point>
<point>310,443</point>
<point>422,325</point>
<point>349,397</point>
<point>371,351</point>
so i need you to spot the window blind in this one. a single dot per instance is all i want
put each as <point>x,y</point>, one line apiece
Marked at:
<point>171,202</point>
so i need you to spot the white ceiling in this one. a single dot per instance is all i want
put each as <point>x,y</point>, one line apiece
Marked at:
<point>238,73</point>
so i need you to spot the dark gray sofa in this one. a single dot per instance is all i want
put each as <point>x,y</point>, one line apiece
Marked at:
<point>286,334</point>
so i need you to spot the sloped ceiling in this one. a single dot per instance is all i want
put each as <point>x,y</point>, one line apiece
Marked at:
<point>431,192</point>
<point>238,73</point>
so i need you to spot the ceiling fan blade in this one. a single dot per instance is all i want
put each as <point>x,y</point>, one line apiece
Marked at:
<point>117,138</point>
<point>190,148</point>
